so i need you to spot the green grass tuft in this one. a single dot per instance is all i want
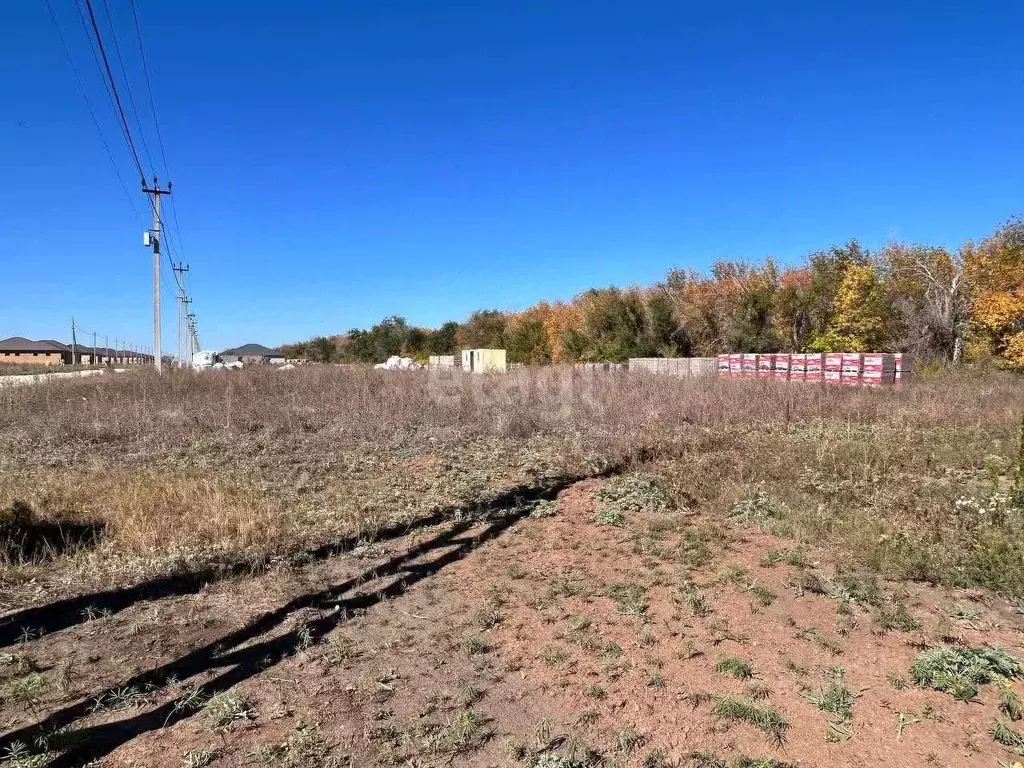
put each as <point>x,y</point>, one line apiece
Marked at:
<point>761,716</point>
<point>735,667</point>
<point>629,597</point>
<point>960,671</point>
<point>1005,734</point>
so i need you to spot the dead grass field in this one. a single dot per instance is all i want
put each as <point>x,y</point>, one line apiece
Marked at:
<point>330,567</point>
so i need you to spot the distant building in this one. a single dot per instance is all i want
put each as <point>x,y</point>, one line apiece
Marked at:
<point>248,354</point>
<point>484,361</point>
<point>21,351</point>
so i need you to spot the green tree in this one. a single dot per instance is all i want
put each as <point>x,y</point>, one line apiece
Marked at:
<point>484,329</point>
<point>442,341</point>
<point>320,349</point>
<point>528,341</point>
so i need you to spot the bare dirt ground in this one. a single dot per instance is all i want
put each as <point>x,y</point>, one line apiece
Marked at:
<point>506,637</point>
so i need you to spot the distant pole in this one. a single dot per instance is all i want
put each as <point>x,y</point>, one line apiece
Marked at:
<point>180,270</point>
<point>106,348</point>
<point>74,344</point>
<point>93,361</point>
<point>156,192</point>
<point>186,303</point>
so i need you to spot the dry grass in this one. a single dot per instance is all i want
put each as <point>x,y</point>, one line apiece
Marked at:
<point>190,469</point>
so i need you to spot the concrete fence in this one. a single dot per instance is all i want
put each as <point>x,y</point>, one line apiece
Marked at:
<point>675,366</point>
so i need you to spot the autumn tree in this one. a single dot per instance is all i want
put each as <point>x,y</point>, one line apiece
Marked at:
<point>928,294</point>
<point>858,314</point>
<point>994,270</point>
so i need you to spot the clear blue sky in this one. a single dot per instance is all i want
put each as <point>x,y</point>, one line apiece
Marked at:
<point>334,162</point>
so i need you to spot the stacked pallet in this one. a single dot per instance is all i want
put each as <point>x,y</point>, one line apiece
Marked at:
<point>851,368</point>
<point>736,365</point>
<point>878,369</point>
<point>674,366</point>
<point>797,366</point>
<point>903,367</point>
<point>749,366</point>
<point>833,367</point>
<point>780,367</point>
<point>599,367</point>
<point>815,366</point>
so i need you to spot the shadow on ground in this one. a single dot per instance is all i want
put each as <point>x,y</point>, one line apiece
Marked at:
<point>68,612</point>
<point>251,650</point>
<point>24,538</point>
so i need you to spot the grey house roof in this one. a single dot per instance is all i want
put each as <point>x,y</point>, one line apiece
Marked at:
<point>21,344</point>
<point>253,350</point>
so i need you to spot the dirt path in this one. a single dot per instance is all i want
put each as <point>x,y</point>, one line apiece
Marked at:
<point>500,637</point>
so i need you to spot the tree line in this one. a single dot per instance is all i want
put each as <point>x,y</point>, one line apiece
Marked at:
<point>937,303</point>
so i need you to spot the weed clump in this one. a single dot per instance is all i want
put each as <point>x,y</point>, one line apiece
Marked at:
<point>763,717</point>
<point>635,493</point>
<point>793,556</point>
<point>960,671</point>
<point>227,709</point>
<point>628,596</point>
<point>606,515</point>
<point>835,699</point>
<point>1005,734</point>
<point>759,509</point>
<point>735,667</point>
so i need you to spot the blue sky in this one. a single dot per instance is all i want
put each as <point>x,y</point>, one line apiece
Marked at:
<point>337,162</point>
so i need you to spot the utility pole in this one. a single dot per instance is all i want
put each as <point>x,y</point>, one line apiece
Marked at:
<point>74,344</point>
<point>154,242</point>
<point>179,273</point>
<point>106,348</point>
<point>186,303</point>
<point>93,361</point>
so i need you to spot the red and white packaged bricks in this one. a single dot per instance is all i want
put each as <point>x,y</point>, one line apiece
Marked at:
<point>879,368</point>
<point>815,366</point>
<point>723,365</point>
<point>780,367</point>
<point>764,366</point>
<point>736,365</point>
<point>749,366</point>
<point>852,362</point>
<point>797,366</point>
<point>833,367</point>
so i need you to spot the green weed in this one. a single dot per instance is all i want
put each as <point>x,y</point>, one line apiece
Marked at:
<point>227,709</point>
<point>1005,734</point>
<point>629,597</point>
<point>761,716</point>
<point>735,667</point>
<point>959,671</point>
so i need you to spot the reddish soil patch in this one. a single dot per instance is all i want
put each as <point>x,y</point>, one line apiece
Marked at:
<point>490,642</point>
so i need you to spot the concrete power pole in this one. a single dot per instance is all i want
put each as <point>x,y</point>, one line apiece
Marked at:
<point>154,242</point>
<point>187,341</point>
<point>106,349</point>
<point>74,344</point>
<point>93,361</point>
<point>180,270</point>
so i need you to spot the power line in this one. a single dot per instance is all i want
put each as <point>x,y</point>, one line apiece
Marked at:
<point>127,82</point>
<point>113,88</point>
<point>149,88</point>
<point>156,123</point>
<point>92,112</point>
